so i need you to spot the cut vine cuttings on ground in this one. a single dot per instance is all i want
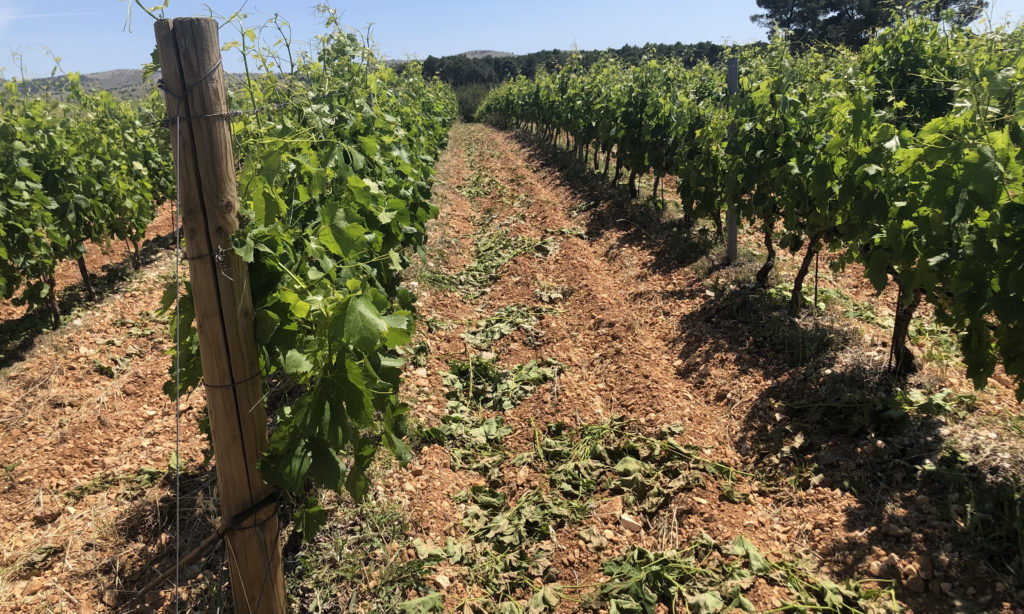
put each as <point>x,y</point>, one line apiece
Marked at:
<point>609,457</point>
<point>491,252</point>
<point>706,577</point>
<point>504,322</point>
<point>507,547</point>
<point>479,385</point>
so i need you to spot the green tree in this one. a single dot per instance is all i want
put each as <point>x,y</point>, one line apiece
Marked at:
<point>850,22</point>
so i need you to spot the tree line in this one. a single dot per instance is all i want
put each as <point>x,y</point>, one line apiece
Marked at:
<point>460,70</point>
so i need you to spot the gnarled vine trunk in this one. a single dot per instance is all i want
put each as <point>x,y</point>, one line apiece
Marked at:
<point>901,358</point>
<point>84,270</point>
<point>769,262</point>
<point>51,301</point>
<point>796,298</point>
<point>136,254</point>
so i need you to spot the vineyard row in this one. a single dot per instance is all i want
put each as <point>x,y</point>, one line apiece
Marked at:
<point>905,156</point>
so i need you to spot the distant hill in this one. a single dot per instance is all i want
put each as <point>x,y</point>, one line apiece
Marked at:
<point>124,82</point>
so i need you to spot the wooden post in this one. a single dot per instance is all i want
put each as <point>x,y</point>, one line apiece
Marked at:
<point>731,249</point>
<point>195,94</point>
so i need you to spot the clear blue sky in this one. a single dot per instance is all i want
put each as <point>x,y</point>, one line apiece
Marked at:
<point>89,35</point>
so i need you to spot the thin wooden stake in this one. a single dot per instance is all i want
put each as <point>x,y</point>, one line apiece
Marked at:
<point>731,248</point>
<point>196,98</point>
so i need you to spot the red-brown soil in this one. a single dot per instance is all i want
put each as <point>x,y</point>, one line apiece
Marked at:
<point>84,410</point>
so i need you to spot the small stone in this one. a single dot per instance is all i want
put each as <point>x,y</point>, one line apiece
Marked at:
<point>916,584</point>
<point>701,500</point>
<point>875,569</point>
<point>487,356</point>
<point>421,372</point>
<point>84,607</point>
<point>416,470</point>
<point>110,598</point>
<point>34,586</point>
<point>630,524</point>
<point>947,587</point>
<point>45,516</point>
<point>523,474</point>
<point>442,581</point>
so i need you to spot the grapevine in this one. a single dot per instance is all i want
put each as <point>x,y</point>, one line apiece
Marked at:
<point>76,167</point>
<point>335,171</point>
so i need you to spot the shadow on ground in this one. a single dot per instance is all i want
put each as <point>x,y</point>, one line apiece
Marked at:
<point>833,416</point>
<point>145,534</point>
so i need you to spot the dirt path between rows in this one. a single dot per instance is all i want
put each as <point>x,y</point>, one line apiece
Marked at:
<point>648,331</point>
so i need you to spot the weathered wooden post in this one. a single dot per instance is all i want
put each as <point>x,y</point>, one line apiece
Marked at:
<point>731,249</point>
<point>195,93</point>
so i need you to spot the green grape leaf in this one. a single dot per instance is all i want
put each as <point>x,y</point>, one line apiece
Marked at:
<point>364,326</point>
<point>295,363</point>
